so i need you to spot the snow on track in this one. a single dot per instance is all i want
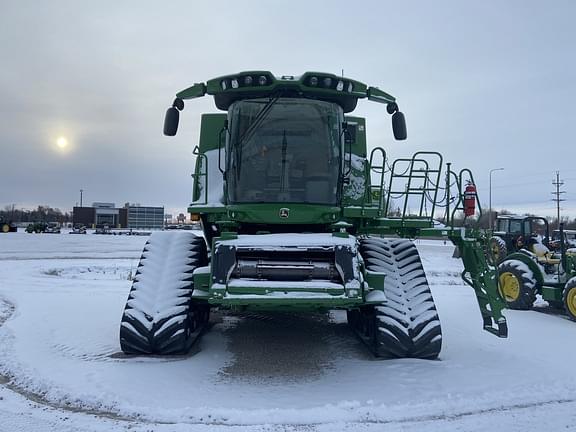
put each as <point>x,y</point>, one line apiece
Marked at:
<point>60,343</point>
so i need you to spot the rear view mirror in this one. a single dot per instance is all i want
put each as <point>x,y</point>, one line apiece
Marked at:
<point>171,121</point>
<point>399,126</point>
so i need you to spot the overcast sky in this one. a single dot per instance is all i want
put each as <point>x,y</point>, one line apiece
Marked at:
<point>488,84</point>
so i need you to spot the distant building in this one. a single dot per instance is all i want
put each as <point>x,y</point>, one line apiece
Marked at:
<point>145,217</point>
<point>84,216</point>
<point>130,216</point>
<point>108,214</point>
<point>100,214</point>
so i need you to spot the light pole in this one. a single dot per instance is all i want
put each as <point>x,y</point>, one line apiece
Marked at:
<point>490,196</point>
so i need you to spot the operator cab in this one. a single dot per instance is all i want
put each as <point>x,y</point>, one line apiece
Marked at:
<point>282,158</point>
<point>284,150</point>
<point>523,232</point>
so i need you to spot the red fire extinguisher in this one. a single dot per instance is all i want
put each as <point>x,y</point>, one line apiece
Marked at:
<point>470,200</point>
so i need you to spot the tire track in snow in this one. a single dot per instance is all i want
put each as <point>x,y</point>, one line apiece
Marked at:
<point>133,257</point>
<point>470,413</point>
<point>6,310</point>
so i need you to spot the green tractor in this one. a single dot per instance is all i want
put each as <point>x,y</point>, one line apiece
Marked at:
<point>7,227</point>
<point>298,216</point>
<point>36,227</point>
<point>534,269</point>
<point>514,233</point>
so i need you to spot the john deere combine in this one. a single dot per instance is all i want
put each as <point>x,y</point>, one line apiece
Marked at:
<point>298,216</point>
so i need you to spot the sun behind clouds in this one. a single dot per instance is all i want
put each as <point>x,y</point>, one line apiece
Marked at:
<point>62,145</point>
<point>62,142</point>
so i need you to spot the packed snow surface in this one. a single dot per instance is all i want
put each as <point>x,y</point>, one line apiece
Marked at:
<point>61,299</point>
<point>292,240</point>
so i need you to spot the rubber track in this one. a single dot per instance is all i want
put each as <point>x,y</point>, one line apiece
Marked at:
<point>407,324</point>
<point>159,316</point>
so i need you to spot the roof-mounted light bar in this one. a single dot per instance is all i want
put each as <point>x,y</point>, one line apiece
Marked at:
<point>254,84</point>
<point>246,81</point>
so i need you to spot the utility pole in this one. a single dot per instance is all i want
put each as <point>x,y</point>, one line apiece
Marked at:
<point>81,192</point>
<point>558,193</point>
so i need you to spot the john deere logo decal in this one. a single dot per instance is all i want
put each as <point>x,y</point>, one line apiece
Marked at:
<point>284,213</point>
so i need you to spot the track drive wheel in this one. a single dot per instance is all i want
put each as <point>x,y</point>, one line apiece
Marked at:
<point>569,298</point>
<point>497,250</point>
<point>517,284</point>
<point>407,323</point>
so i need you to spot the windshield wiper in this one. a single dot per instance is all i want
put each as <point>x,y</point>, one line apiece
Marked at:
<point>257,121</point>
<point>250,131</point>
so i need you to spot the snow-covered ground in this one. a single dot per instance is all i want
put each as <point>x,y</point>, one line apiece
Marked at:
<point>61,299</point>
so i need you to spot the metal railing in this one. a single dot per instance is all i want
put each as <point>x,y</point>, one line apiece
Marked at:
<point>198,187</point>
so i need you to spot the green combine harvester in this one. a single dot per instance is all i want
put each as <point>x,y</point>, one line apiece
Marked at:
<point>298,216</point>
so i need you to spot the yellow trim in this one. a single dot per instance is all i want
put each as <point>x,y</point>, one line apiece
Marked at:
<point>571,300</point>
<point>509,286</point>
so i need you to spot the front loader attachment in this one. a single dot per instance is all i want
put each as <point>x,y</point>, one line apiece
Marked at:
<point>482,277</point>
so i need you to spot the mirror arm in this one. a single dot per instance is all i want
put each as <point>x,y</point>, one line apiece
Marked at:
<point>178,104</point>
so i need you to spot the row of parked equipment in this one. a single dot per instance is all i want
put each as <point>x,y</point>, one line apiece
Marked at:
<point>531,261</point>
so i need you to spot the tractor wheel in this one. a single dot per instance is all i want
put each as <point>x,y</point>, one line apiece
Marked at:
<point>160,316</point>
<point>517,284</point>
<point>5,228</point>
<point>497,250</point>
<point>407,323</point>
<point>570,298</point>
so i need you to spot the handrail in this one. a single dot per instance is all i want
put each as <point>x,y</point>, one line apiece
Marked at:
<point>459,204</point>
<point>201,170</point>
<point>417,167</point>
<point>379,170</point>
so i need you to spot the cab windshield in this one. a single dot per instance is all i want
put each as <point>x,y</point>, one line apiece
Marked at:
<point>284,150</point>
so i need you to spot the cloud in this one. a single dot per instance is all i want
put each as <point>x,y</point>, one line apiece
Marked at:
<point>487,84</point>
